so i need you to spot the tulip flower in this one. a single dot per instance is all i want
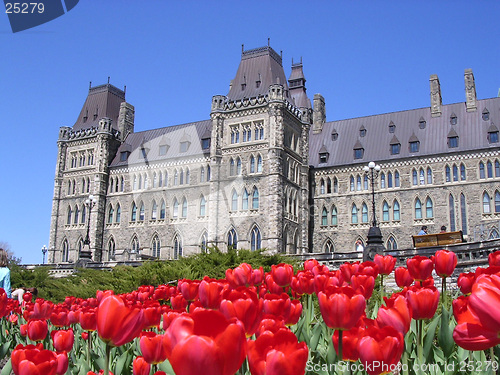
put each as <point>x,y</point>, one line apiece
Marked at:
<point>282,274</point>
<point>363,284</point>
<point>396,313</point>
<point>205,342</point>
<point>385,263</point>
<point>178,302</point>
<point>210,293</point>
<point>403,277</point>
<point>342,308</point>
<point>350,339</point>
<point>303,283</point>
<point>270,324</point>
<point>242,303</point>
<point>152,348</point>
<point>465,282</point>
<point>420,267</point>
<point>33,360</point>
<point>189,289</point>
<point>63,340</point>
<point>37,330</point>
<point>484,301</point>
<point>88,319</point>
<point>444,263</point>
<point>152,314</point>
<point>278,305</point>
<point>310,264</point>
<point>295,313</point>
<point>140,366</point>
<point>240,276</point>
<point>271,285</point>
<point>494,258</point>
<point>276,354</point>
<point>380,349</point>
<point>423,301</point>
<point>62,363</point>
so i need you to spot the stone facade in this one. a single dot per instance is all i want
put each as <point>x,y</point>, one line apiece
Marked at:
<point>268,171</point>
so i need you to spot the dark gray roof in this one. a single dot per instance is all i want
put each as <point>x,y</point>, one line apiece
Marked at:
<point>297,83</point>
<point>471,130</point>
<point>102,101</point>
<point>262,65</point>
<point>171,136</point>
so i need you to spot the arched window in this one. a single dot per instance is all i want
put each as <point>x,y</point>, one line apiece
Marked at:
<point>204,242</point>
<point>135,245</point>
<point>252,164</point>
<point>208,173</point>
<point>162,210</point>
<point>385,211</point>
<point>455,172</point>
<point>232,239</point>
<point>354,214</point>
<point>463,213</point>
<point>111,249</point>
<point>69,187</point>
<point>352,183</point>
<point>140,181</point>
<point>154,211</point>
<point>497,168</point>
<point>74,186</point>
<point>155,245</point>
<point>429,175</point>
<point>448,173</point>
<point>231,167</point>
<point>181,177</point>
<point>255,239</point>
<point>202,174</point>
<point>391,243</point>
<point>84,213</point>
<point>155,180</point>
<point>497,201</point>
<point>358,183</point>
<point>328,185</point>
<point>418,209</point>
<point>146,181</point>
<point>184,208</point>
<point>365,182</point>
<point>110,185</point>
<point>234,201</point>
<point>422,177</point>
<point>244,205</point>
<point>382,180</point>
<point>133,216</point>
<point>122,184</point>
<point>77,214</point>
<point>110,214</point>
<point>118,213</point>
<point>176,178</point>
<point>481,170</point>
<point>451,203</point>
<point>486,203</point>
<point>175,209</point>
<point>255,198</point>
<point>117,185</point>
<point>259,163</point>
<point>238,166</point>
<point>334,215</point>
<point>324,217</point>
<point>203,204</point>
<point>177,247</point>
<point>489,168</point>
<point>389,180</point>
<point>429,211</point>
<point>328,248</point>
<point>364,213</point>
<point>493,234</point>
<point>65,251</point>
<point>135,183</point>
<point>395,211</point>
<point>462,172</point>
<point>335,185</point>
<point>322,187</point>
<point>141,212</point>
<point>415,177</point>
<point>88,184</point>
<point>396,179</point>
<point>188,176</point>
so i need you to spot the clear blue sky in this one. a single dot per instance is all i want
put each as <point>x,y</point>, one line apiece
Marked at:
<point>365,57</point>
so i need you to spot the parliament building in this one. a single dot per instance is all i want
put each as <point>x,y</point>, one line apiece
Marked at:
<point>266,170</point>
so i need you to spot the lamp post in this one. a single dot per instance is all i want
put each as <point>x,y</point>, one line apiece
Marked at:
<point>374,244</point>
<point>44,252</point>
<point>89,203</point>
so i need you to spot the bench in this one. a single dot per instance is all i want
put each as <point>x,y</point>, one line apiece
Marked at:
<point>438,239</point>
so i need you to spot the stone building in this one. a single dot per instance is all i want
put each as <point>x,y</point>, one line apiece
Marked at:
<point>268,171</point>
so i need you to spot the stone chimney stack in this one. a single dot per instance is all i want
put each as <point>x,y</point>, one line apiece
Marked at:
<point>319,113</point>
<point>470,91</point>
<point>436,100</point>
<point>126,120</point>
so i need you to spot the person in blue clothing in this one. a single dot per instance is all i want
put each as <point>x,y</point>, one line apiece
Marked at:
<point>4,273</point>
<point>423,230</point>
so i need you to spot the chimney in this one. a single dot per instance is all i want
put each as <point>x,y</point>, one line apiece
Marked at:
<point>319,113</point>
<point>470,91</point>
<point>436,100</point>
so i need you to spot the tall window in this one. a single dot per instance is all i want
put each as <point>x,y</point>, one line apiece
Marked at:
<point>162,210</point>
<point>184,208</point>
<point>118,213</point>
<point>231,167</point>
<point>489,168</point>
<point>133,216</point>
<point>255,239</point>
<point>455,172</point>
<point>334,215</point>
<point>177,247</point>
<point>84,213</point>
<point>154,211</point>
<point>391,243</point>
<point>111,249</point>
<point>463,213</point>
<point>382,180</point>
<point>389,179</point>
<point>202,174</point>
<point>497,201</point>
<point>354,214</point>
<point>365,183</point>
<point>358,183</point>
<point>110,214</point>
<point>255,198</point>
<point>141,212</point>
<point>324,217</point>
<point>462,172</point>
<point>135,245</point>
<point>259,163</point>
<point>203,203</point>
<point>418,209</point>
<point>486,203</point>
<point>422,177</point>
<point>395,211</point>
<point>415,177</point>
<point>77,214</point>
<point>181,177</point>
<point>234,201</point>
<point>204,242</point>
<point>156,246</point>
<point>232,239</point>
<point>448,173</point>
<point>176,178</point>
<point>497,168</point>
<point>65,251</point>
<point>244,205</point>
<point>328,248</point>
<point>429,176</point>
<point>238,166</point>
<point>336,185</point>
<point>364,213</point>
<point>328,185</point>
<point>385,211</point>
<point>322,187</point>
<point>396,179</point>
<point>352,183</point>
<point>452,212</point>
<point>481,170</point>
<point>429,212</point>
<point>175,209</point>
<point>252,164</point>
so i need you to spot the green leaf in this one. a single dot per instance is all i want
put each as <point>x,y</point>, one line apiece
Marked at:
<point>429,336</point>
<point>123,361</point>
<point>4,349</point>
<point>445,335</point>
<point>166,366</point>
<point>7,369</point>
<point>316,334</point>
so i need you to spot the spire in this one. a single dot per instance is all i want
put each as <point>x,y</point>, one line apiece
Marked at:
<point>297,84</point>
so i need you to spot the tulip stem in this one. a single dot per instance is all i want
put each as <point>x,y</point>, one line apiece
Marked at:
<point>443,292</point>
<point>106,359</point>
<point>420,351</point>
<point>89,347</point>
<point>381,290</point>
<point>340,345</point>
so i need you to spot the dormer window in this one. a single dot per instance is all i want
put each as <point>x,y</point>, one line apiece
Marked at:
<point>392,127</point>
<point>453,142</point>
<point>124,155</point>
<point>414,146</point>
<point>163,150</point>
<point>486,115</point>
<point>493,137</point>
<point>205,143</point>
<point>359,153</point>
<point>184,146</point>
<point>335,135</point>
<point>362,131</point>
<point>422,123</point>
<point>395,148</point>
<point>323,157</point>
<point>453,119</point>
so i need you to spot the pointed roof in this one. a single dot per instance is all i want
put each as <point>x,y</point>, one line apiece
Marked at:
<point>297,84</point>
<point>259,68</point>
<point>394,141</point>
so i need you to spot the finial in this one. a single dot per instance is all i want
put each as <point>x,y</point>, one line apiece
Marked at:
<point>281,53</point>
<point>90,85</point>
<point>242,48</point>
<point>125,89</point>
<point>269,42</point>
<point>292,60</point>
<point>301,59</point>
<point>108,80</point>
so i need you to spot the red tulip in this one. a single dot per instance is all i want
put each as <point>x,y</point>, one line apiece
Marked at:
<point>494,258</point>
<point>14,318</point>
<point>37,330</point>
<point>324,281</point>
<point>484,301</point>
<point>189,289</point>
<point>396,314</point>
<point>303,283</point>
<point>63,340</point>
<point>62,363</point>
<point>310,264</point>
<point>178,302</point>
<point>270,324</point>
<point>276,354</point>
<point>272,286</point>
<point>278,305</point>
<point>363,284</point>
<point>33,360</point>
<point>205,342</point>
<point>444,263</point>
<point>369,268</point>
<point>152,348</point>
<point>258,276</point>
<point>423,301</point>
<point>163,292</point>
<point>282,274</point>
<point>295,313</point>
<point>117,323</point>
<point>472,336</point>
<point>380,349</point>
<point>210,293</point>
<point>152,314</point>
<point>465,282</point>
<point>240,276</point>
<point>140,366</point>
<point>242,303</point>
<point>350,340</point>
<point>403,277</point>
<point>88,319</point>
<point>385,263</point>
<point>85,335</point>
<point>420,267</point>
<point>342,308</point>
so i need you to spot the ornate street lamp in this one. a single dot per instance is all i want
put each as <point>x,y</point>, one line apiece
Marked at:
<point>44,252</point>
<point>374,245</point>
<point>89,203</point>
